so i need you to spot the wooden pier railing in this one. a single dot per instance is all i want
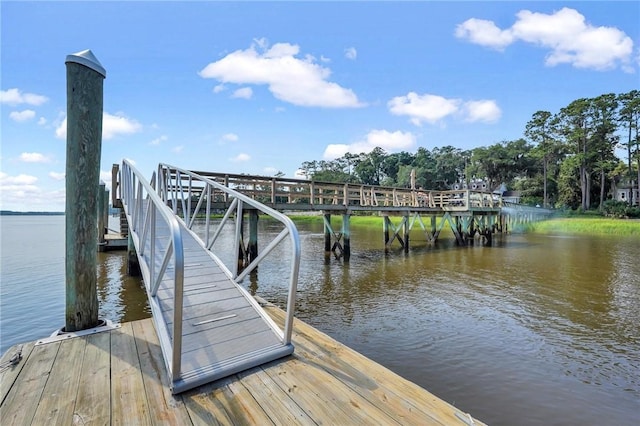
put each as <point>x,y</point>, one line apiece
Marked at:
<point>299,194</point>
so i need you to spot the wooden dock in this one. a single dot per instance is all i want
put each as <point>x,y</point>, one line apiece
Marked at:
<point>118,377</point>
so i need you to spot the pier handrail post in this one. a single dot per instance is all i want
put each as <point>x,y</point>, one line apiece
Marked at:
<point>85,78</point>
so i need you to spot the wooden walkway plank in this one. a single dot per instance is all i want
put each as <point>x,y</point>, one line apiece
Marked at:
<point>62,384</point>
<point>205,407</point>
<point>21,403</point>
<point>128,398</point>
<point>314,390</point>
<point>381,386</point>
<point>92,407</point>
<point>274,400</point>
<point>164,408</point>
<point>241,405</point>
<point>8,372</point>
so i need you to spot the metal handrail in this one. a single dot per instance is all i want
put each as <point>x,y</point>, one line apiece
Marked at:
<point>203,188</point>
<point>143,206</point>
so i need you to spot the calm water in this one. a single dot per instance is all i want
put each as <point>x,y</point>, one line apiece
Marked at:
<point>534,330</point>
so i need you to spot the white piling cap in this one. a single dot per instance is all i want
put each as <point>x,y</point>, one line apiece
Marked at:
<point>88,59</point>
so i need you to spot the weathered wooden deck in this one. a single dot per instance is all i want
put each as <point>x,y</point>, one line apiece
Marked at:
<point>118,377</point>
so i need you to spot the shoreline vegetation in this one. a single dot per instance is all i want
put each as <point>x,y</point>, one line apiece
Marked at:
<point>575,225</point>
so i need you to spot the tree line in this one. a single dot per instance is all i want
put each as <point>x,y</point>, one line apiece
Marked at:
<point>565,159</point>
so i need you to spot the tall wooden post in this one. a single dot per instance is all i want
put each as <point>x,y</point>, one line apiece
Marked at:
<point>405,228</point>
<point>100,213</point>
<point>253,235</point>
<point>327,232</point>
<point>346,236</point>
<point>385,231</point>
<point>85,78</point>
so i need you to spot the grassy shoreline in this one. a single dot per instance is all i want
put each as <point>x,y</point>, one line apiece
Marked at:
<point>572,225</point>
<point>587,226</point>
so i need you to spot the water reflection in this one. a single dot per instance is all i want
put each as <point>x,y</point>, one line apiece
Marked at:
<point>121,298</point>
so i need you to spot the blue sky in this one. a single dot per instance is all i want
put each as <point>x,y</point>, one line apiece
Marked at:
<point>261,87</point>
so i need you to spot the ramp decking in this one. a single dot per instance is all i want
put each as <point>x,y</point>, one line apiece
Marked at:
<point>224,330</point>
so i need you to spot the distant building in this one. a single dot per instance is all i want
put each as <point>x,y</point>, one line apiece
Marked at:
<point>624,193</point>
<point>511,196</point>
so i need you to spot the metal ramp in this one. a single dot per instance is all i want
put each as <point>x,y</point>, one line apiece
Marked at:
<point>208,325</point>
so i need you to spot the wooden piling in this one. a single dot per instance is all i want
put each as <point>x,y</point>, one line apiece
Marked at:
<point>252,249</point>
<point>85,77</point>
<point>327,232</point>
<point>100,212</point>
<point>346,236</point>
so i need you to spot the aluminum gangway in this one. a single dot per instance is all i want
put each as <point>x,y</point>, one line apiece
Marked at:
<point>208,325</point>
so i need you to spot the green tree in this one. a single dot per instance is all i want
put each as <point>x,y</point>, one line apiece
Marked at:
<point>629,118</point>
<point>540,132</point>
<point>573,125</point>
<point>603,116</point>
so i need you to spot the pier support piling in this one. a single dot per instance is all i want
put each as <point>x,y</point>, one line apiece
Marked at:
<point>85,78</point>
<point>100,213</point>
<point>252,249</point>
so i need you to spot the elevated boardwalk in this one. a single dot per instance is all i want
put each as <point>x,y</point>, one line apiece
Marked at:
<point>117,377</point>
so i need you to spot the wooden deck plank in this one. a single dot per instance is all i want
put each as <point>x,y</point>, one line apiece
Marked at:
<point>322,397</point>
<point>128,399</point>
<point>21,402</point>
<point>8,372</point>
<point>275,401</point>
<point>164,408</point>
<point>63,384</point>
<point>240,404</point>
<point>384,388</point>
<point>205,405</point>
<point>92,407</point>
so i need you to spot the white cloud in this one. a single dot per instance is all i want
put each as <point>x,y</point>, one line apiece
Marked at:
<point>16,97</point>
<point>20,180</point>
<point>42,121</point>
<point>112,125</point>
<point>21,116</point>
<point>159,140</point>
<point>105,177</point>
<point>21,193</point>
<point>484,33</point>
<point>178,149</point>
<point>429,108</point>
<point>243,93</point>
<point>219,88</point>
<point>389,141</point>
<point>486,111</point>
<point>300,81</point>
<point>230,137</point>
<point>299,173</point>
<point>270,171</point>
<point>350,53</point>
<point>34,157</point>
<point>240,158</point>
<point>56,175</point>
<point>569,38</point>
<point>434,109</point>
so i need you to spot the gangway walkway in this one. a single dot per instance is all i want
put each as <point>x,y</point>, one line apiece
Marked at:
<point>208,325</point>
